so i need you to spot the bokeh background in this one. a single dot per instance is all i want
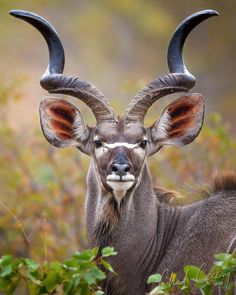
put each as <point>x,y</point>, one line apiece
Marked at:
<point>118,46</point>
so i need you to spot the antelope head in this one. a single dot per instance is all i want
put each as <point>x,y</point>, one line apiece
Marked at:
<point>119,146</point>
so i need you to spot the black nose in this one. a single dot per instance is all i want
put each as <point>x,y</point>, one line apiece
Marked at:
<point>120,169</point>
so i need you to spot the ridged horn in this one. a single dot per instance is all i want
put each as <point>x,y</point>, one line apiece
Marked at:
<point>179,79</point>
<point>55,82</point>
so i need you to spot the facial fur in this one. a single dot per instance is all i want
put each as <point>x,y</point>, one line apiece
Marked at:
<point>119,151</point>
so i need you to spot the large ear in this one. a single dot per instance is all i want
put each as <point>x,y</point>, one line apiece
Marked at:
<point>181,121</point>
<point>62,123</point>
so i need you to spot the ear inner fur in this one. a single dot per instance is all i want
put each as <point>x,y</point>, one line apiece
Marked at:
<point>59,127</point>
<point>181,121</point>
<point>61,119</point>
<point>62,123</point>
<point>61,111</point>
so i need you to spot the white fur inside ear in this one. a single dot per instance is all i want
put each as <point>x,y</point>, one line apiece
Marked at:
<point>79,127</point>
<point>163,126</point>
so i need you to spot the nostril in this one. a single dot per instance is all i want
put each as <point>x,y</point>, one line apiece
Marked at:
<point>127,168</point>
<point>114,168</point>
<point>120,169</point>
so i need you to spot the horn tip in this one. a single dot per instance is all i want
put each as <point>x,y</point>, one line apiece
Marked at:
<point>13,12</point>
<point>211,12</point>
<point>25,15</point>
<point>17,13</point>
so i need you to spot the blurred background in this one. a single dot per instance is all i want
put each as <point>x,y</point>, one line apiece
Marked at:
<point>118,46</point>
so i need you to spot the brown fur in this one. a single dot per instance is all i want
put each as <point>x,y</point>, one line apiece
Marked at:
<point>225,181</point>
<point>181,108</point>
<point>183,115</point>
<point>61,126</point>
<point>167,196</point>
<point>108,219</point>
<point>182,123</point>
<point>61,110</point>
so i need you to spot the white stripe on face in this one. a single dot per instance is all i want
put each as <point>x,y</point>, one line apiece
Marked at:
<point>104,148</point>
<point>117,144</point>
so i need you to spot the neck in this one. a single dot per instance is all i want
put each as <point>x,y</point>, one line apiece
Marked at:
<point>135,228</point>
<point>106,218</point>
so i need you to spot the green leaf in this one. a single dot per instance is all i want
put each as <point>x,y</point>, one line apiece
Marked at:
<point>34,289</point>
<point>16,264</point>
<point>207,290</point>
<point>222,256</point>
<point>107,266</point>
<point>4,284</point>
<point>158,291</point>
<point>86,255</point>
<point>98,274</point>
<point>13,287</point>
<point>56,266</point>
<point>154,278</point>
<point>6,259</point>
<point>73,285</point>
<point>31,265</point>
<point>108,251</point>
<point>70,264</point>
<point>6,270</point>
<point>95,251</point>
<point>99,292</point>
<point>51,280</point>
<point>89,278</point>
<point>194,273</point>
<point>76,280</point>
<point>33,279</point>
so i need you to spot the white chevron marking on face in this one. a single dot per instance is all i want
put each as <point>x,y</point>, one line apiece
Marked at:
<point>117,144</point>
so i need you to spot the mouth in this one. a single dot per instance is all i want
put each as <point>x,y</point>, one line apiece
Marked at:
<point>120,178</point>
<point>120,184</point>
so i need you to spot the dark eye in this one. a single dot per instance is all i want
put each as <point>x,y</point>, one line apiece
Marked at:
<point>143,144</point>
<point>97,143</point>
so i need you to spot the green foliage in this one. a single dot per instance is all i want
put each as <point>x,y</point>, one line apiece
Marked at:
<point>79,275</point>
<point>221,278</point>
<point>82,273</point>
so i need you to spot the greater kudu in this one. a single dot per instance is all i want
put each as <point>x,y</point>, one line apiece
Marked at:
<point>122,209</point>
